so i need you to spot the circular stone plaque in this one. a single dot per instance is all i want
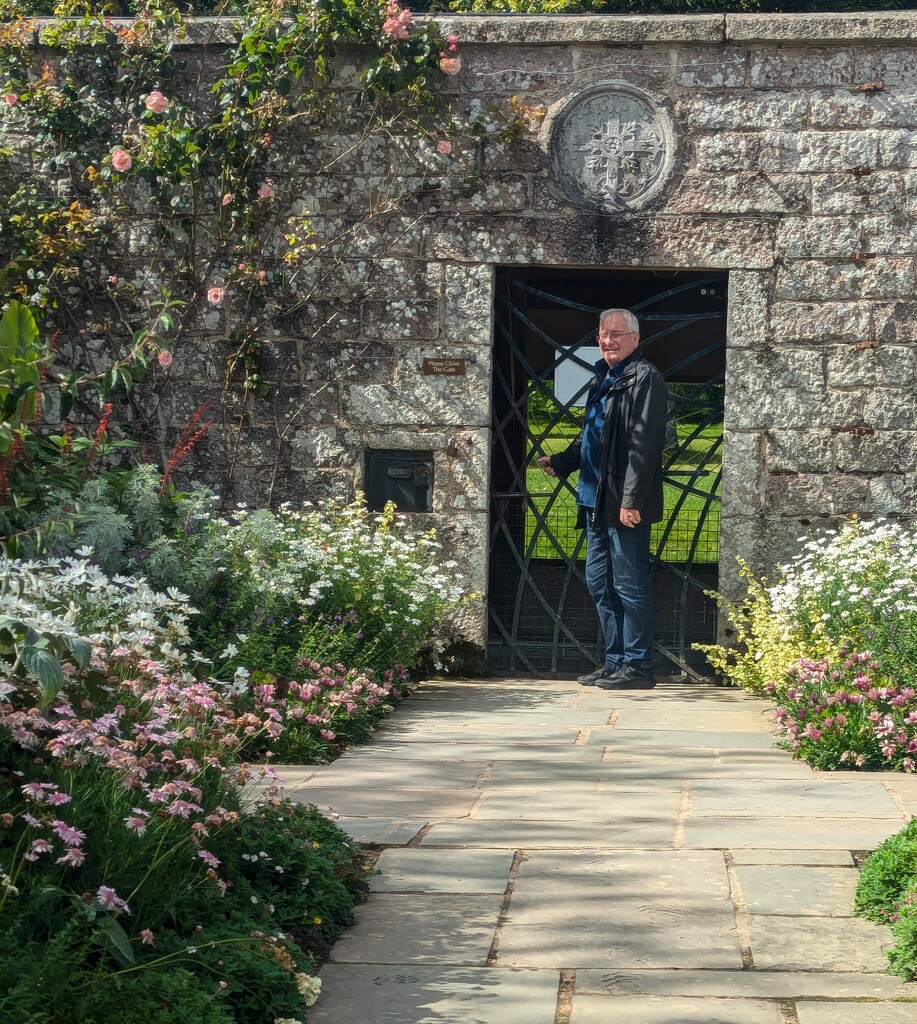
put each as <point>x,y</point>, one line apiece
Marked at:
<point>611,147</point>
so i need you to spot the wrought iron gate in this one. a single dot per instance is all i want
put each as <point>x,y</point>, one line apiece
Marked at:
<point>542,620</point>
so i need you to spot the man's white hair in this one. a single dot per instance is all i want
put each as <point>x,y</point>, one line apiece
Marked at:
<point>633,324</point>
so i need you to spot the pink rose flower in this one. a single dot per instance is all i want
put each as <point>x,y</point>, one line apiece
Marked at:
<point>266,189</point>
<point>450,65</point>
<point>262,275</point>
<point>156,102</point>
<point>444,146</point>
<point>394,28</point>
<point>164,359</point>
<point>121,160</point>
<point>10,99</point>
<point>452,41</point>
<point>226,200</point>
<point>146,937</point>
<point>215,296</point>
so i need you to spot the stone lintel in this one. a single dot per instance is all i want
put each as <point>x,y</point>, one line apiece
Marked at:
<point>853,27</point>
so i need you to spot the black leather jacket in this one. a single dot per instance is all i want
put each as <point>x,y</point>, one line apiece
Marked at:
<point>631,445</point>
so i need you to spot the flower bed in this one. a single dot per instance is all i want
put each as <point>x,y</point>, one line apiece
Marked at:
<point>834,642</point>
<point>135,884</point>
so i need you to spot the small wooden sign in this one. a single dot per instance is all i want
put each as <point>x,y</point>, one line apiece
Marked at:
<point>441,367</point>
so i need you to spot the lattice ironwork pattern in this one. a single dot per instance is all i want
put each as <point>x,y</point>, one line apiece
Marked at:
<point>542,619</point>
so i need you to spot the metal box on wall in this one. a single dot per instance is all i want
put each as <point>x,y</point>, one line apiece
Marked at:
<point>404,477</point>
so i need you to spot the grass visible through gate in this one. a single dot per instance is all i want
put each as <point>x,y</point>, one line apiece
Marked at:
<point>691,453</point>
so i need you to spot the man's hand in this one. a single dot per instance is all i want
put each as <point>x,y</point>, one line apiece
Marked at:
<point>544,462</point>
<point>629,517</point>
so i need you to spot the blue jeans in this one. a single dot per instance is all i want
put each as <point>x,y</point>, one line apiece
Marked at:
<point>618,578</point>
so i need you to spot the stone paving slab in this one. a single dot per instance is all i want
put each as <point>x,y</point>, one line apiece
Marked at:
<point>789,799</point>
<point>662,1010</point>
<point>807,943</point>
<point>708,763</point>
<point>377,831</point>
<point>454,929</point>
<point>442,871</point>
<point>730,833</point>
<point>608,805</point>
<point>387,773</point>
<point>354,994</point>
<point>407,803</point>
<point>856,1013</point>
<point>798,891</point>
<point>626,833</point>
<point>811,858</point>
<point>646,909</point>
<point>477,749</point>
<point>746,984</point>
<point>701,720</point>
<point>657,740</point>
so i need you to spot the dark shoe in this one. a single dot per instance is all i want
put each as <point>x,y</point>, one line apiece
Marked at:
<point>628,677</point>
<point>592,678</point>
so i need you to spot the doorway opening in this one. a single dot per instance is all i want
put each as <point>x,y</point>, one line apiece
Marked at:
<point>542,620</point>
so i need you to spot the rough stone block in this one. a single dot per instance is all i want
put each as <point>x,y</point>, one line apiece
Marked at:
<point>889,234</point>
<point>747,308</point>
<point>893,494</point>
<point>801,494</point>
<point>805,237</point>
<point>798,67</point>
<point>895,322</point>
<point>799,451</point>
<point>890,409</point>
<point>595,239</point>
<point>897,148</point>
<point>885,451</point>
<point>736,112</point>
<point>695,69</point>
<point>880,191</point>
<point>623,29</point>
<point>740,193</point>
<point>742,483</point>
<point>469,294</point>
<point>896,66</point>
<point>492,70</point>
<point>415,398</point>
<point>400,318</point>
<point>886,366</point>
<point>879,278</point>
<point>793,322</point>
<point>840,108</point>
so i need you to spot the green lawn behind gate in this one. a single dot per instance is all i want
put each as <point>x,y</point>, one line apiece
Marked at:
<point>562,512</point>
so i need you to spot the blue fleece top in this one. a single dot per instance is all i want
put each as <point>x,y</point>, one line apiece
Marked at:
<point>590,469</point>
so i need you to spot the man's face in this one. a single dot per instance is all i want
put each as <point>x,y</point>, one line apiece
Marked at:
<point>616,342</point>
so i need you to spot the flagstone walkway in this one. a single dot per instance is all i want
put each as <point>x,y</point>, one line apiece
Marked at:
<point>555,854</point>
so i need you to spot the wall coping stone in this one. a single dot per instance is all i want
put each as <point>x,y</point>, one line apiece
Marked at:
<point>620,29</point>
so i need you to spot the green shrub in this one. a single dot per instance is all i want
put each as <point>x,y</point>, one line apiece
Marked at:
<point>887,893</point>
<point>887,874</point>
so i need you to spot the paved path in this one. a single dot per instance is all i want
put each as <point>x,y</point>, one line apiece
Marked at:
<point>554,854</point>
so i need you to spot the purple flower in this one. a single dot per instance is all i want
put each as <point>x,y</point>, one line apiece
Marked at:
<point>70,835</point>
<point>108,899</point>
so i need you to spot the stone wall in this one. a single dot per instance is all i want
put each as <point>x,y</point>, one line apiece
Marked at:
<point>793,166</point>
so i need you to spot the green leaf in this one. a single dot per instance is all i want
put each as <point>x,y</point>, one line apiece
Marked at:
<point>80,649</point>
<point>43,666</point>
<point>18,333</point>
<point>114,935</point>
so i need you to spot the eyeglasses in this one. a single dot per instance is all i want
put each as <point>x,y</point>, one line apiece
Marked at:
<point>614,335</point>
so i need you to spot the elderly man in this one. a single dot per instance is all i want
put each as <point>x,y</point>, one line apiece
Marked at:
<point>619,458</point>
